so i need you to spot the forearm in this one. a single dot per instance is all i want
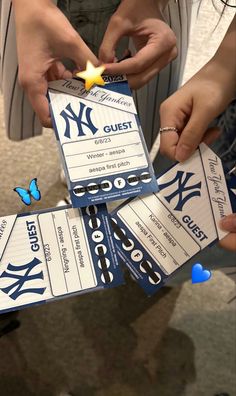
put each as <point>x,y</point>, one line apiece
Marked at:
<point>225,57</point>
<point>220,71</point>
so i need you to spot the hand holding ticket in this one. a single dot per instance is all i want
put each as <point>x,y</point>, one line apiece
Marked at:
<point>157,234</point>
<point>55,253</point>
<point>100,141</point>
<point>60,252</point>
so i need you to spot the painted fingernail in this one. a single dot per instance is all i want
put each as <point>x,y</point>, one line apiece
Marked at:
<point>228,223</point>
<point>183,152</point>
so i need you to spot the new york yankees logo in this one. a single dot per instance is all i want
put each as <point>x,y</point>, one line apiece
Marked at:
<point>84,112</point>
<point>182,178</point>
<point>16,289</point>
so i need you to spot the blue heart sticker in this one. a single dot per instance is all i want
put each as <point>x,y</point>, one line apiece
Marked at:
<point>199,274</point>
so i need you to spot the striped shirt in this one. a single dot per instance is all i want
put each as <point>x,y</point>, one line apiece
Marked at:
<point>90,18</point>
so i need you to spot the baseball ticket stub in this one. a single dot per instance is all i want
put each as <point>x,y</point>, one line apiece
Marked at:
<point>55,253</point>
<point>100,141</point>
<point>157,234</point>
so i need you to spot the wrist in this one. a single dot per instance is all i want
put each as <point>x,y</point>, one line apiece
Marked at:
<point>225,72</point>
<point>225,58</point>
<point>217,73</point>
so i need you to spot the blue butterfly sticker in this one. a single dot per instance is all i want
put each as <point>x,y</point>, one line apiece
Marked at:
<point>26,195</point>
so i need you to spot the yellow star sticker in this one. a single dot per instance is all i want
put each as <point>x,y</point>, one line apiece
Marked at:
<point>92,75</point>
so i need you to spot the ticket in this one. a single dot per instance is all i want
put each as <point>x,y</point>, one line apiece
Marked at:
<point>55,253</point>
<point>158,233</point>
<point>101,143</point>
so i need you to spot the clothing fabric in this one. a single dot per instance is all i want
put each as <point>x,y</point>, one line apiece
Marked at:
<point>90,18</point>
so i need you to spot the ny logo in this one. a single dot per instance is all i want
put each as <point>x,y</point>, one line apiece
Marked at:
<point>84,112</point>
<point>14,290</point>
<point>182,179</point>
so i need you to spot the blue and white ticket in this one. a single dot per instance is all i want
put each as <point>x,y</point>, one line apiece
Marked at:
<point>55,253</point>
<point>157,234</point>
<point>100,141</point>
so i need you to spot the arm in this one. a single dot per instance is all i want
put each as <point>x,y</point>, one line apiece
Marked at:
<point>44,36</point>
<point>199,101</point>
<point>195,105</point>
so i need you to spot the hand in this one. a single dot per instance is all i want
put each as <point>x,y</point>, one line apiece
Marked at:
<point>44,37</point>
<point>190,110</point>
<point>197,103</point>
<point>228,223</point>
<point>154,41</point>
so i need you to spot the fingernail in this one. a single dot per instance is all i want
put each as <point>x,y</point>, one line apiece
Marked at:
<point>228,223</point>
<point>182,152</point>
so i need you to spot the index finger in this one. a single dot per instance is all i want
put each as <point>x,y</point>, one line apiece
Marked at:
<point>37,97</point>
<point>41,107</point>
<point>141,61</point>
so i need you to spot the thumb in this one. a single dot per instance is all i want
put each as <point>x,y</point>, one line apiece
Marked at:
<point>228,223</point>
<point>114,32</point>
<point>194,131</point>
<point>211,135</point>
